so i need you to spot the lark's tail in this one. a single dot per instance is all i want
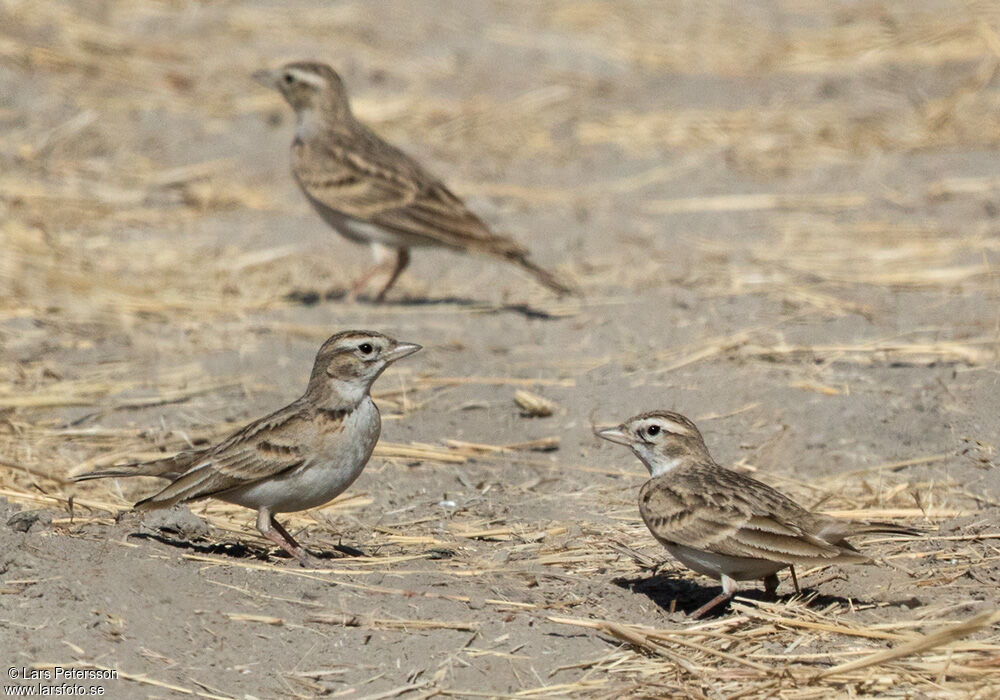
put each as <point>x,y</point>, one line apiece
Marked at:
<point>519,256</point>
<point>836,531</point>
<point>862,528</point>
<point>167,468</point>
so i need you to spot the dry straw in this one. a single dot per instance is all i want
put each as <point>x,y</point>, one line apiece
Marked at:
<point>73,285</point>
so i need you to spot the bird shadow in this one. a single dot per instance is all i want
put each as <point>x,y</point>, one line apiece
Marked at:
<point>235,550</point>
<point>239,550</point>
<point>311,297</point>
<point>670,593</point>
<point>674,594</point>
<point>339,551</point>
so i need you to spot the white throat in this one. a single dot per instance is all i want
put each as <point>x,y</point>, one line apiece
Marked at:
<point>348,392</point>
<point>307,124</point>
<point>661,466</point>
<point>656,463</point>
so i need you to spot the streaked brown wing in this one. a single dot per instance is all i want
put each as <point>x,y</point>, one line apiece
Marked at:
<point>261,450</point>
<point>771,537</point>
<point>731,515</point>
<point>437,215</point>
<point>347,182</point>
<point>673,515</point>
<point>370,180</point>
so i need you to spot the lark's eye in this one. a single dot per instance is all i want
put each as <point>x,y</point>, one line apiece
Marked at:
<point>366,348</point>
<point>289,78</point>
<point>653,430</point>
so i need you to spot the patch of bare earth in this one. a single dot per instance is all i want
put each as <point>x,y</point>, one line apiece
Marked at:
<point>783,216</point>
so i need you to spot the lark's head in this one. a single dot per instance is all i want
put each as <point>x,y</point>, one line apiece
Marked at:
<point>348,363</point>
<point>309,87</point>
<point>663,440</point>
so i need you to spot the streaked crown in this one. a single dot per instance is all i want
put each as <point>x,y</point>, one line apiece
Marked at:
<point>663,440</point>
<point>657,427</point>
<point>310,85</point>
<point>356,358</point>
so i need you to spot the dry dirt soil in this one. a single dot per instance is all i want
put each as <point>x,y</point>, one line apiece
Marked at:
<point>783,217</point>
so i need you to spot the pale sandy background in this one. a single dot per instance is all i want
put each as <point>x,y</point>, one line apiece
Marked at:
<point>783,216</point>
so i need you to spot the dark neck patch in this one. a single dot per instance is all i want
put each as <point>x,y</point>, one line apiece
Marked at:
<point>274,448</point>
<point>334,415</point>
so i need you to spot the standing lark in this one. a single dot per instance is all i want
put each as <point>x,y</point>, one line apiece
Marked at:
<point>722,524</point>
<point>299,457</point>
<point>371,192</point>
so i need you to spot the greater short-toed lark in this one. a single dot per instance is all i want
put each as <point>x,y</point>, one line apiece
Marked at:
<point>721,523</point>
<point>371,192</point>
<point>299,457</point>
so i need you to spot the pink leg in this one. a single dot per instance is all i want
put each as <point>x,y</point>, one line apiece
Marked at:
<point>272,530</point>
<point>360,283</point>
<point>728,590</point>
<point>402,260</point>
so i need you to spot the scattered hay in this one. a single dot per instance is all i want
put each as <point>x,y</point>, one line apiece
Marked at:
<point>75,179</point>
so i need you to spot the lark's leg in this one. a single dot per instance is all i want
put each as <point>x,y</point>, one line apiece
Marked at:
<point>795,580</point>
<point>360,282</point>
<point>771,586</point>
<point>729,589</point>
<point>402,260</point>
<point>381,254</point>
<point>272,530</point>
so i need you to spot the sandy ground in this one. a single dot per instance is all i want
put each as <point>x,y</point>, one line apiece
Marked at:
<point>783,218</point>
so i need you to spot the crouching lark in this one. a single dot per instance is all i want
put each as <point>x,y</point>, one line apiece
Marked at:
<point>721,523</point>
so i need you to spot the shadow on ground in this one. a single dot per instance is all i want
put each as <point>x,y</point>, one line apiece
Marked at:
<point>674,594</point>
<point>311,297</point>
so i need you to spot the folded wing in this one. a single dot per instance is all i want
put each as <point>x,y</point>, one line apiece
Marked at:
<point>242,459</point>
<point>728,514</point>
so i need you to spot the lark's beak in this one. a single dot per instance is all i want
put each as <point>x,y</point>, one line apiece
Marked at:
<point>265,78</point>
<point>401,350</point>
<point>614,435</point>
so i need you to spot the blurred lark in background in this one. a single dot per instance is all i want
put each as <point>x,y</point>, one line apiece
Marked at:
<point>371,192</point>
<point>299,457</point>
<point>721,523</point>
